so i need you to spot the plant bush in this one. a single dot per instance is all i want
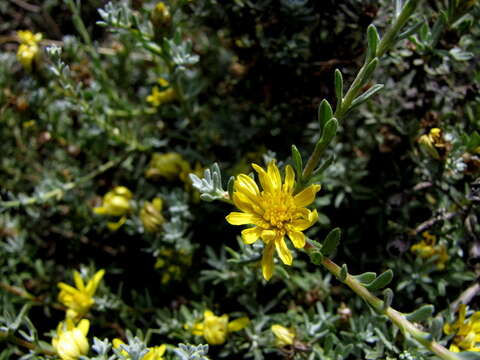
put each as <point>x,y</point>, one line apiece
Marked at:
<point>136,133</point>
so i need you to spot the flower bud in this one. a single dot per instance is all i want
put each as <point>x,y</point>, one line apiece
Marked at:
<point>71,341</point>
<point>283,335</point>
<point>151,215</point>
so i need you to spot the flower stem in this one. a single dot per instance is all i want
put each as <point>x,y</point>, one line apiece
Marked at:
<point>4,336</point>
<point>407,328</point>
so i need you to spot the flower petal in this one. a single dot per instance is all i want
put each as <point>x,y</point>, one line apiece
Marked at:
<point>306,197</point>
<point>283,251</point>
<point>246,184</point>
<point>77,279</point>
<point>274,175</point>
<point>238,324</point>
<point>249,236</point>
<point>298,238</point>
<point>267,260</point>
<point>302,224</point>
<point>238,218</point>
<point>94,282</point>
<point>289,180</point>
<point>264,178</point>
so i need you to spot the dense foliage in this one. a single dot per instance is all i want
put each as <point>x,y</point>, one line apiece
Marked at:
<point>129,130</point>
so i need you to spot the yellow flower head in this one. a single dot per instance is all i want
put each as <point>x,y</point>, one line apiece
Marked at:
<point>159,97</point>
<point>215,329</point>
<point>275,211</point>
<point>116,203</point>
<point>151,215</point>
<point>283,335</point>
<point>169,166</point>
<point>79,299</point>
<point>28,49</point>
<point>70,341</point>
<point>428,248</point>
<point>154,353</point>
<point>466,331</point>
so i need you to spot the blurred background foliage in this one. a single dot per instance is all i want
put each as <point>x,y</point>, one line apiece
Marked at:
<point>246,78</point>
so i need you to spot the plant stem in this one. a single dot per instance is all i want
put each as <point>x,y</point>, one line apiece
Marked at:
<point>395,316</point>
<point>59,192</point>
<point>26,344</point>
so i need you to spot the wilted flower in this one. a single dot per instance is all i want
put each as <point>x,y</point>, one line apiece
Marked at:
<point>428,248</point>
<point>161,18</point>
<point>70,341</point>
<point>434,143</point>
<point>79,299</point>
<point>275,211</point>
<point>116,203</point>
<point>151,215</point>
<point>169,166</point>
<point>283,335</point>
<point>215,329</point>
<point>466,331</point>
<point>28,49</point>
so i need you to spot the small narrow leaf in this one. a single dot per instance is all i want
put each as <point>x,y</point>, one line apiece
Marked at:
<point>421,314</point>
<point>316,257</point>
<point>468,355</point>
<point>331,242</point>
<point>339,87</point>
<point>230,183</point>
<point>381,281</point>
<point>325,113</point>
<point>388,298</point>
<point>365,278</point>
<point>367,95</point>
<point>343,273</point>
<point>409,31</point>
<point>372,65</point>
<point>318,171</point>
<point>297,162</point>
<point>373,39</point>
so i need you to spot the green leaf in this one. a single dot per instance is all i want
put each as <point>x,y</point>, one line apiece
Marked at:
<point>297,162</point>
<point>366,95</point>
<point>319,171</point>
<point>460,55</point>
<point>230,183</point>
<point>436,329</point>
<point>381,281</point>
<point>410,30</point>
<point>325,113</point>
<point>421,314</point>
<point>316,257</point>
<point>366,277</point>
<point>343,273</point>
<point>338,87</point>
<point>388,298</point>
<point>331,242</point>
<point>373,39</point>
<point>372,65</point>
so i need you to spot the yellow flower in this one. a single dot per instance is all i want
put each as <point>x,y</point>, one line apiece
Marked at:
<point>28,49</point>
<point>169,166</point>
<point>79,299</point>
<point>215,329</point>
<point>151,215</point>
<point>116,203</point>
<point>466,331</point>
<point>159,97</point>
<point>70,341</point>
<point>154,353</point>
<point>428,248</point>
<point>283,335</point>
<point>275,211</point>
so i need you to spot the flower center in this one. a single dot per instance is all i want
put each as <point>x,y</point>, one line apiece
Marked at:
<point>279,209</point>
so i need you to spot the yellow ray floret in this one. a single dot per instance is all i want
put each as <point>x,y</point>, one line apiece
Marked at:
<point>466,331</point>
<point>275,211</point>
